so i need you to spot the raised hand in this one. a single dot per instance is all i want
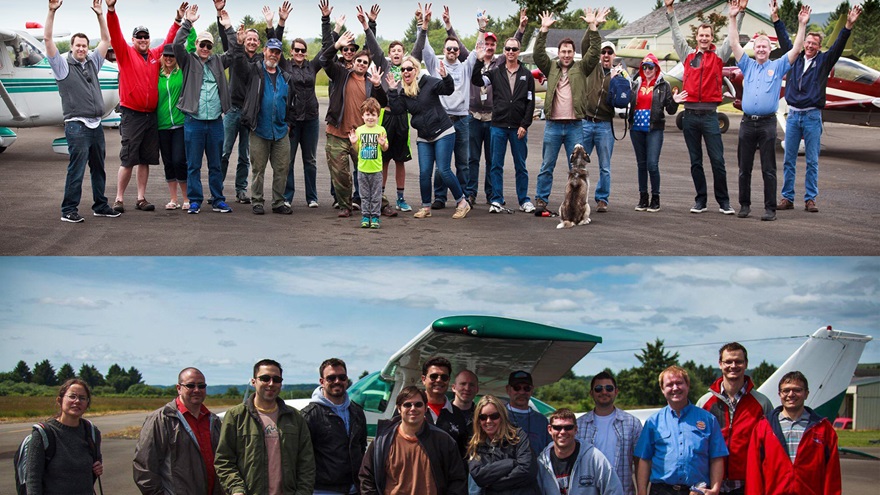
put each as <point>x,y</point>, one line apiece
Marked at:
<point>743,4</point>
<point>732,8</point>
<point>804,15</point>
<point>376,77</point>
<point>446,19</point>
<point>182,10</point>
<point>853,16</point>
<point>374,12</point>
<point>192,12</point>
<point>523,20</point>
<point>325,7</point>
<point>589,16</point>
<point>268,15</point>
<point>774,10</point>
<point>441,69</point>
<point>338,23</point>
<point>352,136</point>
<point>362,17</point>
<point>111,4</point>
<point>345,39</point>
<point>54,5</point>
<point>418,15</point>
<point>668,3</point>
<point>482,20</point>
<point>679,96</point>
<point>240,34</point>
<point>602,14</point>
<point>392,83</point>
<point>426,16</point>
<point>97,7</point>
<point>225,21</point>
<point>547,20</point>
<point>284,11</point>
<point>219,5</point>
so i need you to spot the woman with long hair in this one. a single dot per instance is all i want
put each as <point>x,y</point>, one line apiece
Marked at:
<point>499,456</point>
<point>76,461</point>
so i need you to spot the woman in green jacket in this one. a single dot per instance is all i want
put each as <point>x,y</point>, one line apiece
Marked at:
<point>170,118</point>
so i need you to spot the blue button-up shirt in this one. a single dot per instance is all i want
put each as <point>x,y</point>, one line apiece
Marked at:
<point>680,446</point>
<point>271,121</point>
<point>762,83</point>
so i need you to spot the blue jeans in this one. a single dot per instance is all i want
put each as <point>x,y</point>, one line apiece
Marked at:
<point>479,137</point>
<point>519,151</point>
<point>439,152</point>
<point>556,134</point>
<point>203,137</point>
<point>646,146</point>
<point>599,135</point>
<point>84,145</point>
<point>304,134</point>
<point>461,162</point>
<point>807,125</point>
<point>231,128</point>
<point>705,126</point>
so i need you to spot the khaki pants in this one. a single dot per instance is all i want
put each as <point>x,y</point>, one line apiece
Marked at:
<point>278,152</point>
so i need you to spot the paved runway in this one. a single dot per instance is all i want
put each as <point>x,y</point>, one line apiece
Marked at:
<point>32,178</point>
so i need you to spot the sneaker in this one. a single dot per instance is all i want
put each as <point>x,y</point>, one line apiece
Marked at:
<point>768,216</point>
<point>221,207</point>
<point>106,211</point>
<point>118,206</point>
<point>654,206</point>
<point>402,205</point>
<point>601,206</point>
<point>744,211</point>
<point>438,205</point>
<point>389,211</point>
<point>72,217</point>
<point>336,205</point>
<point>527,207</point>
<point>726,209</point>
<point>344,213</point>
<point>785,204</point>
<point>423,213</point>
<point>287,204</point>
<point>462,211</point>
<point>313,204</point>
<point>193,208</point>
<point>698,208</point>
<point>810,206</point>
<point>356,204</point>
<point>643,202</point>
<point>283,210</point>
<point>242,198</point>
<point>144,205</point>
<point>259,209</point>
<point>365,222</point>
<point>495,207</point>
<point>374,223</point>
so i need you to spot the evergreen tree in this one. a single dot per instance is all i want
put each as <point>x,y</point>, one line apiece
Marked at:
<point>639,386</point>
<point>866,31</point>
<point>135,376</point>
<point>22,372</point>
<point>788,14</point>
<point>118,378</point>
<point>44,374</point>
<point>65,372</point>
<point>761,373</point>
<point>89,374</point>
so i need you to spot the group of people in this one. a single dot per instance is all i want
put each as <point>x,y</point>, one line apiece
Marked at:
<point>176,99</point>
<point>731,441</point>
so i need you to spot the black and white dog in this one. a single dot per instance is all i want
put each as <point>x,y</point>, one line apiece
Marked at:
<point>575,210</point>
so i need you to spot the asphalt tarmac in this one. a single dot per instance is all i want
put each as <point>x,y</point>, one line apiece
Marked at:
<point>32,181</point>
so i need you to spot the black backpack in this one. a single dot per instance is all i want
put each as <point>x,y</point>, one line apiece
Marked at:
<point>48,436</point>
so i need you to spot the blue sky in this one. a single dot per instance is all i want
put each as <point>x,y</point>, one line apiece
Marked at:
<point>223,314</point>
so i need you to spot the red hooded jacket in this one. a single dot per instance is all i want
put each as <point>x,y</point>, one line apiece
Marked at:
<point>816,467</point>
<point>702,76</point>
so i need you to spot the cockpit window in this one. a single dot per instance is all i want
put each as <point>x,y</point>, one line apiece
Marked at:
<point>23,53</point>
<point>850,70</point>
<point>372,392</point>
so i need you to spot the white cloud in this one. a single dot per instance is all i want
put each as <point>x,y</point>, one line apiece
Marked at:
<point>559,305</point>
<point>74,302</point>
<point>755,278</point>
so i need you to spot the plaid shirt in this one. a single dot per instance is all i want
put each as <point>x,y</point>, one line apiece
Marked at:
<point>793,431</point>
<point>731,485</point>
<point>628,429</point>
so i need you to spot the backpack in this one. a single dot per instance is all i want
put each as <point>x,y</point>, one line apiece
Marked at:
<point>619,97</point>
<point>20,458</point>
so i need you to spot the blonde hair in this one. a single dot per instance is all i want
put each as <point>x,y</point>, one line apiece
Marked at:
<point>676,371</point>
<point>506,431</point>
<point>411,89</point>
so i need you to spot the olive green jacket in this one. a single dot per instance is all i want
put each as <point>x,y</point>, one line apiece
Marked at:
<point>241,460</point>
<point>577,73</point>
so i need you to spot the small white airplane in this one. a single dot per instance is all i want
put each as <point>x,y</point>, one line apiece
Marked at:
<point>29,92</point>
<point>492,347</point>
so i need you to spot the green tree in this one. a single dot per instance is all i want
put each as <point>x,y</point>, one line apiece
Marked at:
<point>23,372</point>
<point>788,14</point>
<point>65,372</point>
<point>566,392</point>
<point>89,374</point>
<point>866,31</point>
<point>718,23</point>
<point>135,376</point>
<point>232,393</point>
<point>614,16</point>
<point>44,373</point>
<point>841,10</point>
<point>249,22</point>
<point>762,372</point>
<point>117,378</point>
<point>639,386</point>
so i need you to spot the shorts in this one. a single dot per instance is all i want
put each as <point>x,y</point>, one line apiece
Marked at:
<point>140,138</point>
<point>397,127</point>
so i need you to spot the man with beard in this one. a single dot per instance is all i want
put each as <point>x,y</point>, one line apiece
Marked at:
<point>534,424</point>
<point>265,446</point>
<point>341,426</point>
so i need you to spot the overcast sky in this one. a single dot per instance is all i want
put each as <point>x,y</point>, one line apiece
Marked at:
<point>223,314</point>
<point>395,17</point>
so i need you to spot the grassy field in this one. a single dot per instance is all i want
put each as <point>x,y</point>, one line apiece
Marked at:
<point>851,438</point>
<point>20,408</point>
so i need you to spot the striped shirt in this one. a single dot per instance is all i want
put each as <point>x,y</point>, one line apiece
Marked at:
<point>627,428</point>
<point>793,431</point>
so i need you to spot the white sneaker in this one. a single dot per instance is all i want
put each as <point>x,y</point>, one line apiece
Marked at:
<point>495,207</point>
<point>287,204</point>
<point>313,204</point>
<point>527,207</point>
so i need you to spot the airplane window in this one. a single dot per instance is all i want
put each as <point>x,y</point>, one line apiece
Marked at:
<point>372,392</point>
<point>11,52</point>
<point>28,54</point>
<point>850,70</point>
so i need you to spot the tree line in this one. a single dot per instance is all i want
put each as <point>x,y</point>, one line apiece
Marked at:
<point>118,380</point>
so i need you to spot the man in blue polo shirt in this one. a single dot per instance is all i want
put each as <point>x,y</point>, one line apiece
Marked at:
<point>762,80</point>
<point>681,449</point>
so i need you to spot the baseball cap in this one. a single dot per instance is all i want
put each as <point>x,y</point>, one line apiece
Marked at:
<point>205,36</point>
<point>273,44</point>
<point>491,35</point>
<point>608,44</point>
<point>519,376</point>
<point>140,29</point>
<point>168,50</point>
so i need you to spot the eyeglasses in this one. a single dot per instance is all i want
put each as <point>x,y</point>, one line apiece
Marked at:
<point>410,69</point>
<point>77,398</point>
<point>410,405</point>
<point>349,49</point>
<point>600,388</point>
<point>443,377</point>
<point>451,48</point>
<point>494,416</point>
<point>206,44</point>
<point>142,36</point>
<point>607,52</point>
<point>336,378</point>
<point>200,386</point>
<point>733,362</point>
<point>787,391</point>
<point>270,378</point>
<point>562,427</point>
<point>511,48</point>
<point>362,62</point>
<point>522,388</point>
<point>300,50</point>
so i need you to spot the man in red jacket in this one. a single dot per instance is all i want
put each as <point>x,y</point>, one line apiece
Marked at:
<point>793,451</point>
<point>738,407</point>
<point>138,96</point>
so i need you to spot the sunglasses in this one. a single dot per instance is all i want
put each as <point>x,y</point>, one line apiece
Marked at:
<point>270,378</point>
<point>451,48</point>
<point>200,386</point>
<point>443,377</point>
<point>494,416</point>
<point>142,37</point>
<point>349,49</point>
<point>511,48</point>
<point>562,427</point>
<point>410,69</point>
<point>206,44</point>
<point>649,67</point>
<point>521,388</point>
<point>336,378</point>
<point>600,388</point>
<point>607,52</point>
<point>410,405</point>
<point>362,62</point>
<point>300,50</point>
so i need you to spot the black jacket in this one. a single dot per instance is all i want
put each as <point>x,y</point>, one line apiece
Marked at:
<point>338,455</point>
<point>506,469</point>
<point>238,87</point>
<point>251,75</point>
<point>447,467</point>
<point>340,76</point>
<point>509,110</point>
<point>429,118</point>
<point>662,101</point>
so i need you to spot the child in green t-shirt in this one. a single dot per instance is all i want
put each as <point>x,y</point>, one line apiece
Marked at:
<point>370,140</point>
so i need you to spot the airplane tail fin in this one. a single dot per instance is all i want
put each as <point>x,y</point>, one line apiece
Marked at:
<point>828,359</point>
<point>829,40</point>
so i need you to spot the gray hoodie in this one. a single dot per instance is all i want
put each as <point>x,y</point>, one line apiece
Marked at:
<point>592,474</point>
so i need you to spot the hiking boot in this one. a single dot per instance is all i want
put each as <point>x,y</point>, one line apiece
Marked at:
<point>388,211</point>
<point>601,206</point>
<point>118,206</point>
<point>72,217</point>
<point>144,205</point>
<point>810,206</point>
<point>643,202</point>
<point>785,204</point>
<point>654,206</point>
<point>423,213</point>
<point>242,198</point>
<point>744,211</point>
<point>283,209</point>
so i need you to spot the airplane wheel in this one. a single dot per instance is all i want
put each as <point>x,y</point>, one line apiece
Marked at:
<point>2,149</point>
<point>723,122</point>
<point>679,121</point>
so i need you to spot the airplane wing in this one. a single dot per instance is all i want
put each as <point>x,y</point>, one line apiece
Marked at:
<point>492,347</point>
<point>7,34</point>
